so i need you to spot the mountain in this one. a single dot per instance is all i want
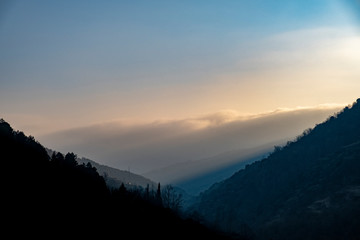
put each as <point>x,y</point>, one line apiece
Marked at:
<point>115,177</point>
<point>56,196</point>
<point>307,189</point>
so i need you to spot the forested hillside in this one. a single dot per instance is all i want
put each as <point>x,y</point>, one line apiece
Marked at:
<point>55,196</point>
<point>307,189</point>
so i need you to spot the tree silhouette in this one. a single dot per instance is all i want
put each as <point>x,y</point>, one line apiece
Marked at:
<point>158,195</point>
<point>171,199</point>
<point>70,159</point>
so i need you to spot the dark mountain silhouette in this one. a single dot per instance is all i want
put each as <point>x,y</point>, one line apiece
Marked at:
<point>307,189</point>
<point>56,196</point>
<point>115,177</point>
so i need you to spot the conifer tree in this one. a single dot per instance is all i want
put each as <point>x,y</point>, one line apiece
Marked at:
<point>158,195</point>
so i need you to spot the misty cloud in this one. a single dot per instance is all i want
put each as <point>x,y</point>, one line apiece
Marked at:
<point>151,147</point>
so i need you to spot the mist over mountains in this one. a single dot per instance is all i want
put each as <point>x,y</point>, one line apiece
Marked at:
<point>149,148</point>
<point>202,173</point>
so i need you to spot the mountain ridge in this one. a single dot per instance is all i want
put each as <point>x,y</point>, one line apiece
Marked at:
<point>268,195</point>
<point>115,177</point>
<point>55,196</point>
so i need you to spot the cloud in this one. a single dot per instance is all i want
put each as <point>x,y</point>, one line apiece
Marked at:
<point>149,147</point>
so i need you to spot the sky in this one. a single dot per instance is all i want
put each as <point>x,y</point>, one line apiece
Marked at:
<point>75,64</point>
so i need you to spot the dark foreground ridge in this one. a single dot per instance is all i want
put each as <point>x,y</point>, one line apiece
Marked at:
<point>56,197</point>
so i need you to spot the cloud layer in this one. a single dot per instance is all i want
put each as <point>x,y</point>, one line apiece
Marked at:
<point>149,147</point>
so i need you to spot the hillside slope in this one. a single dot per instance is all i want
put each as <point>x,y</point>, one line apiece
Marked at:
<point>57,197</point>
<point>308,189</point>
<point>115,177</point>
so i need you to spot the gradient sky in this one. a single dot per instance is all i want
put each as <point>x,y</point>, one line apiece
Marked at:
<point>65,64</point>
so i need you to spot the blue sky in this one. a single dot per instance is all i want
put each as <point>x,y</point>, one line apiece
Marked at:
<point>75,63</point>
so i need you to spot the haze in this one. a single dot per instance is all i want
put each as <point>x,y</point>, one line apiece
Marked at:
<point>149,149</point>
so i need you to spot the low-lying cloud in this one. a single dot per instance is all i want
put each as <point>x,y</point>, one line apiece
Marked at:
<point>149,147</point>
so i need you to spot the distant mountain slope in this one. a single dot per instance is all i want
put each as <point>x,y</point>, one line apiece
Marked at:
<point>115,177</point>
<point>205,172</point>
<point>196,184</point>
<point>308,189</point>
